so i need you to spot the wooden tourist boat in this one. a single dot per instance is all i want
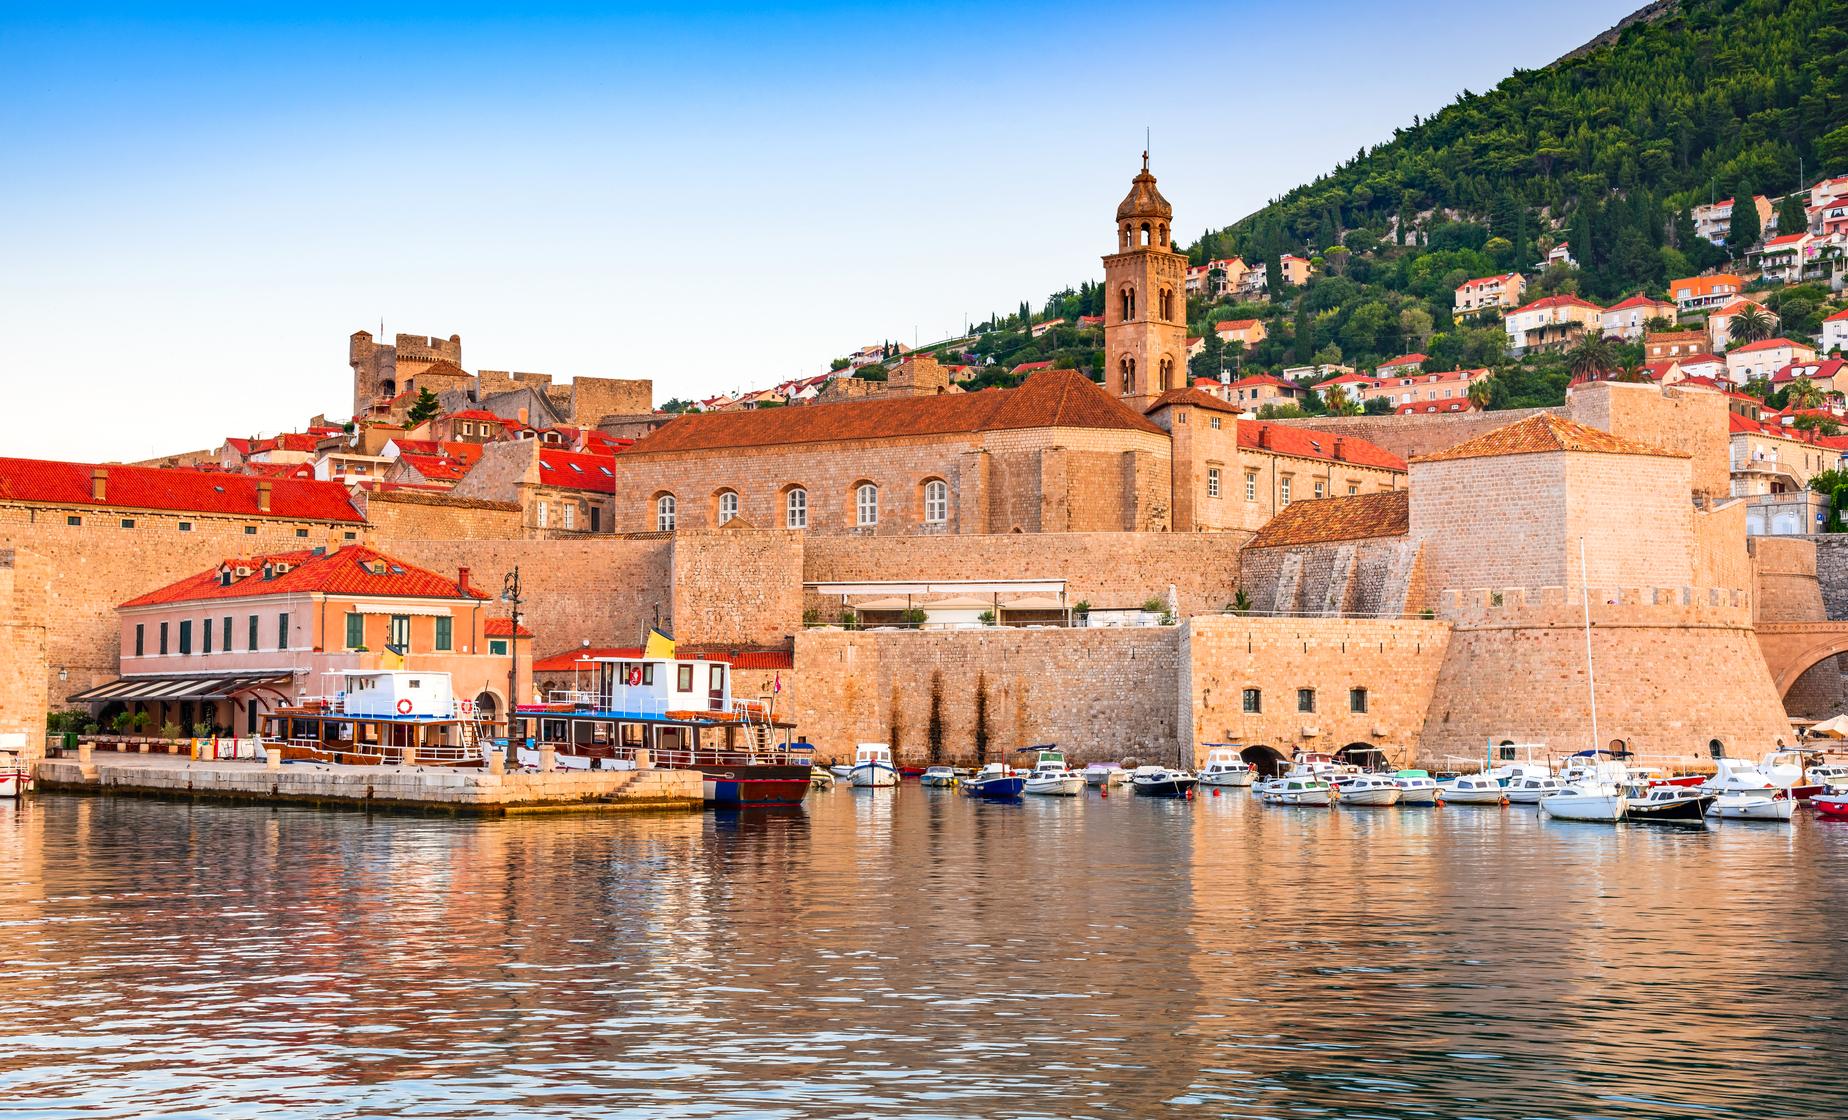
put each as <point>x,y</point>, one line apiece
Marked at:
<point>674,713</point>
<point>376,716</point>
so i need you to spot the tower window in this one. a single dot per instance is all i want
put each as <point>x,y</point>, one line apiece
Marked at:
<point>795,509</point>
<point>1253,701</point>
<point>664,513</point>
<point>1305,699</point>
<point>1129,303</point>
<point>1167,303</point>
<point>1145,233</point>
<point>1128,368</point>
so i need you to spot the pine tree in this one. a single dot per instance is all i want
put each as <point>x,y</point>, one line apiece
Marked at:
<point>1743,233</point>
<point>1790,216</point>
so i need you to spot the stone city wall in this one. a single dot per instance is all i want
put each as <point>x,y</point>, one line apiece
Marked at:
<point>407,514</point>
<point>1099,694</point>
<point>1784,577</point>
<point>740,586</point>
<point>1371,576</point>
<point>1407,436</point>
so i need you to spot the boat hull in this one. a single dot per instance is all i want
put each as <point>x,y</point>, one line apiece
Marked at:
<point>1833,806</point>
<point>994,789</point>
<point>1370,798</point>
<point>1311,798</point>
<point>1425,795</point>
<point>1172,787</point>
<point>1473,797</point>
<point>936,781</point>
<point>1070,786</point>
<point>1685,810</point>
<point>1229,778</point>
<point>873,774</point>
<point>1601,808</point>
<point>1753,808</point>
<point>755,785</point>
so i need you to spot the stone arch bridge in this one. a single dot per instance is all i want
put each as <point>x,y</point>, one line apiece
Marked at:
<point>1792,649</point>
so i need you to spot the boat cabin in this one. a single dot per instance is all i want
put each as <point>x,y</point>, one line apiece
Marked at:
<point>1044,758</point>
<point>372,716</point>
<point>657,686</point>
<point>394,694</point>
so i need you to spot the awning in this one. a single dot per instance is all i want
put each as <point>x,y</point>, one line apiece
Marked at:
<point>1034,603</point>
<point>218,686</point>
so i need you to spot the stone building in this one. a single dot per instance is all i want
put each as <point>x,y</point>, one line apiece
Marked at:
<point>559,491</point>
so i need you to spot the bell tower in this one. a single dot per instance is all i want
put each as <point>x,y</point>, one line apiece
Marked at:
<point>1145,299</point>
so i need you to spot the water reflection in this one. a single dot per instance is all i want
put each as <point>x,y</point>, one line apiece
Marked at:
<point>913,953</point>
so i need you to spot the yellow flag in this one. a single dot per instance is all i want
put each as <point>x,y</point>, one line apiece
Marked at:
<point>391,658</point>
<point>659,646</point>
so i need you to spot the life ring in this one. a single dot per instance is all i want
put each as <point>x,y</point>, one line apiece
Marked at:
<point>404,707</point>
<point>468,706</point>
<point>635,675</point>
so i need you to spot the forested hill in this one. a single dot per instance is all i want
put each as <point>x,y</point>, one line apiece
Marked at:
<point>1707,99</point>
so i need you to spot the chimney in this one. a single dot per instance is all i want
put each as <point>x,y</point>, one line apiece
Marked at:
<point>263,495</point>
<point>462,580</point>
<point>522,416</point>
<point>1337,451</point>
<point>99,483</point>
<point>1264,436</point>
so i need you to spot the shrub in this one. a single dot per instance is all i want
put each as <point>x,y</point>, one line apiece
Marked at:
<point>914,616</point>
<point>987,618</point>
<point>170,730</point>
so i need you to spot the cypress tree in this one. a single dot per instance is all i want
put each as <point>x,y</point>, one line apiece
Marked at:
<point>1743,233</point>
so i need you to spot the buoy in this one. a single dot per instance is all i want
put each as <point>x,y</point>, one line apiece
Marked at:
<point>1215,791</point>
<point>1103,791</point>
<point>1190,794</point>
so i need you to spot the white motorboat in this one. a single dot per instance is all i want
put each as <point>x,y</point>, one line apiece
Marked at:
<point>15,774</point>
<point>1364,790</point>
<point>1050,777</point>
<point>1416,787</point>
<point>1162,781</point>
<point>1596,797</point>
<point>1100,774</point>
<point>1736,775</point>
<point>842,771</point>
<point>1529,787</point>
<point>1788,771</point>
<point>1472,789</point>
<point>1831,776</point>
<point>821,778</point>
<point>938,777</point>
<point>872,765</point>
<point>1225,768</point>
<point>1297,789</point>
<point>1744,805</point>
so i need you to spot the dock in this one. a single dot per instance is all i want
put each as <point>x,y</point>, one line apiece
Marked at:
<point>427,789</point>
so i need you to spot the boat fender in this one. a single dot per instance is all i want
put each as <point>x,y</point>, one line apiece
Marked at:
<point>404,707</point>
<point>1103,791</point>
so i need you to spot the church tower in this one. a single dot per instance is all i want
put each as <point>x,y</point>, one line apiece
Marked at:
<point>1145,299</point>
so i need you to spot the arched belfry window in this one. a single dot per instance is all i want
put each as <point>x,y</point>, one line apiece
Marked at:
<point>1127,367</point>
<point>1129,302</point>
<point>1166,304</point>
<point>1145,233</point>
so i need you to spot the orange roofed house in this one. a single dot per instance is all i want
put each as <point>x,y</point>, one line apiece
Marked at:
<point>252,634</point>
<point>1702,293</point>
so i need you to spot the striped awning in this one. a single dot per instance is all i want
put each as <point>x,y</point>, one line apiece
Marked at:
<point>216,687</point>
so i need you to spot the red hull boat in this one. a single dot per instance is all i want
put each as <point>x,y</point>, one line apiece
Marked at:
<point>1831,805</point>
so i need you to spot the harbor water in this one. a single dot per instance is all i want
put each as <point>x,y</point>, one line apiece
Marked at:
<point>913,953</point>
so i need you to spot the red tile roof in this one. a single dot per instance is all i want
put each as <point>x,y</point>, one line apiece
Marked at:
<point>183,491</point>
<point>1031,367</point>
<point>1558,301</point>
<point>436,468</point>
<point>1824,370</point>
<point>1640,300</point>
<point>1502,279</point>
<point>1356,517</point>
<point>279,470</point>
<point>1267,379</point>
<point>578,470</point>
<point>501,628</point>
<point>1059,398</point>
<point>1838,317</point>
<point>1768,344</point>
<point>1226,325</point>
<point>344,571</point>
<point>1406,360</point>
<point>1307,443</point>
<point>1790,239</point>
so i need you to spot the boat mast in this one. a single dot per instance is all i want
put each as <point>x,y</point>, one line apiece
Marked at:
<point>1591,675</point>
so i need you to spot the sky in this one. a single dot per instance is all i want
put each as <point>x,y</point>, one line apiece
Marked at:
<point>199,203</point>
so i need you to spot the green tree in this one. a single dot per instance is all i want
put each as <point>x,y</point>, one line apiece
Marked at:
<point>424,408</point>
<point>1751,323</point>
<point>1744,231</point>
<point>1804,393</point>
<point>1790,215</point>
<point>1593,357</point>
<point>1481,392</point>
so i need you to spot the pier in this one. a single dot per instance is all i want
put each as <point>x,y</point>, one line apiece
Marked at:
<point>434,789</point>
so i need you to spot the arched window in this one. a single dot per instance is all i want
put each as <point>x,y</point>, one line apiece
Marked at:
<point>795,509</point>
<point>936,502</point>
<point>1145,233</point>
<point>866,504</point>
<point>728,505</point>
<point>1167,374</point>
<point>1129,303</point>
<point>1127,370</point>
<point>1167,303</point>
<point>664,513</point>
<point>1162,231</point>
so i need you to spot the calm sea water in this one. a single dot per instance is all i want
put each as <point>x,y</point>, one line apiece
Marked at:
<point>916,955</point>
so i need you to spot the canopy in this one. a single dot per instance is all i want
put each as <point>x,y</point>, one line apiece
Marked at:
<point>1034,603</point>
<point>1836,728</point>
<point>214,687</point>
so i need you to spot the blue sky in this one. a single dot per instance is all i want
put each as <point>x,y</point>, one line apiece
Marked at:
<point>199,204</point>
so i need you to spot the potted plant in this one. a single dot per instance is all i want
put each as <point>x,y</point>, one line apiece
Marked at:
<point>986,618</point>
<point>849,620</point>
<point>1081,614</point>
<point>914,617</point>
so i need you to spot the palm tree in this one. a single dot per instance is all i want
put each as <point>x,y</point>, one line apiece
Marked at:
<point>1481,392</point>
<point>1750,324</point>
<point>1340,402</point>
<point>1592,358</point>
<point>1804,394</point>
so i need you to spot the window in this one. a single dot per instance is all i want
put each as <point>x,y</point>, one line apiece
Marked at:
<point>73,519</point>
<point>163,639</point>
<point>128,523</point>
<point>301,532</point>
<point>282,630</point>
<point>1215,423</point>
<point>355,630</point>
<point>542,513</point>
<point>349,536</point>
<point>570,515</point>
<point>1254,701</point>
<point>497,647</point>
<point>728,506</point>
<point>795,509</point>
<point>1305,699</point>
<point>1212,482</point>
<point>445,633</point>
<point>664,513</point>
<point>1357,700</point>
<point>253,633</point>
<point>205,634</point>
<point>596,519</point>
<point>250,530</point>
<point>1318,488</point>
<point>1283,490</point>
<point>1353,489</point>
<point>185,636</point>
<point>185,526</point>
<point>400,633</point>
<point>866,504</point>
<point>936,502</point>
<point>683,680</point>
<point>716,678</point>
<point>141,639</point>
<point>1251,486</point>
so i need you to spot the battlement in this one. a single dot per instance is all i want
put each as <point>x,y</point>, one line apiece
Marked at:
<point>430,348</point>
<point>1496,607</point>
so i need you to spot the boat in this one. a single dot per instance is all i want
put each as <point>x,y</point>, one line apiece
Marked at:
<point>1102,774</point>
<point>1050,777</point>
<point>1739,776</point>
<point>1788,770</point>
<point>1832,777</point>
<point>1834,806</point>
<point>1596,797</point>
<point>1472,789</point>
<point>842,771</point>
<point>1224,767</point>
<point>994,782</point>
<point>1365,790</point>
<point>1416,787</point>
<point>1529,787</point>
<point>1162,781</point>
<point>374,717</point>
<point>674,714</point>
<point>1744,805</point>
<point>1297,789</point>
<point>15,774</point>
<point>938,777</point>
<point>1666,804</point>
<point>820,777</point>
<point>872,766</point>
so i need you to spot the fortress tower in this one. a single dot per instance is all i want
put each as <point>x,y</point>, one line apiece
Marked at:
<point>1145,299</point>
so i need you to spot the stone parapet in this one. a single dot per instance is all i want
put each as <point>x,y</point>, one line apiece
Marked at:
<point>1521,607</point>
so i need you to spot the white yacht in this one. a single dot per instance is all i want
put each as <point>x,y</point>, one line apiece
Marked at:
<point>1225,768</point>
<point>872,765</point>
<point>1830,776</point>
<point>1744,805</point>
<point>1363,790</point>
<point>1416,787</point>
<point>1472,789</point>
<point>1530,786</point>
<point>1598,796</point>
<point>1296,789</point>
<point>1050,777</point>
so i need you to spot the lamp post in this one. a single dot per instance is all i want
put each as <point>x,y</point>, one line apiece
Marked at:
<point>510,593</point>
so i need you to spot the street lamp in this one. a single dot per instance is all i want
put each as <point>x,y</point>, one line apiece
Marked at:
<point>510,594</point>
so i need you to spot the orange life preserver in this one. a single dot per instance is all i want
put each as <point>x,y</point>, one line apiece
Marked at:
<point>404,707</point>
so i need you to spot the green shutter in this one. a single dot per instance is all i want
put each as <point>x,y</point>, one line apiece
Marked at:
<point>444,632</point>
<point>356,630</point>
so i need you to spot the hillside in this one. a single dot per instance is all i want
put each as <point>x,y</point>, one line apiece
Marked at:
<point>1606,149</point>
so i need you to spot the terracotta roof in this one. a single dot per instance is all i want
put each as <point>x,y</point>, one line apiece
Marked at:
<point>1789,239</point>
<point>183,491</point>
<point>474,414</point>
<point>1267,379</point>
<point>501,628</point>
<point>344,571</point>
<point>1739,305</point>
<point>435,468</point>
<point>578,470</point>
<point>1543,433</point>
<point>1031,367</point>
<point>279,470</point>
<point>1143,200</point>
<point>1385,514</point>
<point>1060,398</point>
<point>1502,279</point>
<point>581,659</point>
<point>1234,325</point>
<point>1838,317</point>
<point>1823,370</point>
<point>1558,301</point>
<point>1640,300</point>
<point>1768,344</point>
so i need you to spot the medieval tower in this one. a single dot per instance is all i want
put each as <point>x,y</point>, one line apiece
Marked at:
<point>1145,299</point>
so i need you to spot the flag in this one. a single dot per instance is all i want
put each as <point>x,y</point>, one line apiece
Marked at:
<point>777,687</point>
<point>393,659</point>
<point>660,646</point>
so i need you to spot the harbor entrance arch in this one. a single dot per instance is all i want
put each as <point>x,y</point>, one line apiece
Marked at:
<point>1267,761</point>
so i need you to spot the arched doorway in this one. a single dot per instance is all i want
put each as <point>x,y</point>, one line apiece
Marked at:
<point>486,706</point>
<point>1267,761</point>
<point>1364,755</point>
